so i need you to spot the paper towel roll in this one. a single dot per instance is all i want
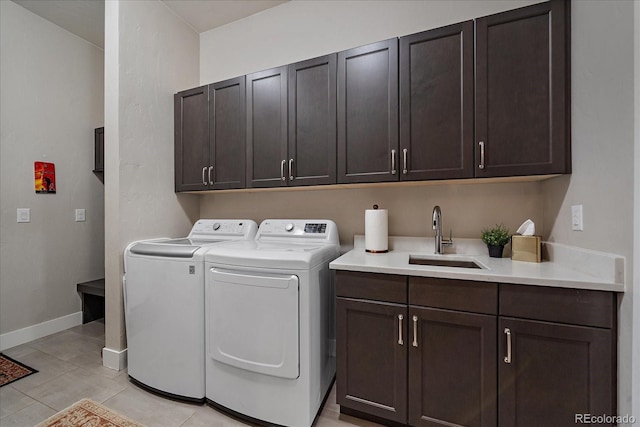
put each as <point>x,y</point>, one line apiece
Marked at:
<point>376,230</point>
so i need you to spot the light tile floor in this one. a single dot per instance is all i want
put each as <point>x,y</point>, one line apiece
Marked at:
<point>70,368</point>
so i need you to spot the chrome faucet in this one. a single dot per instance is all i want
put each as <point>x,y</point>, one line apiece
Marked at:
<point>436,219</point>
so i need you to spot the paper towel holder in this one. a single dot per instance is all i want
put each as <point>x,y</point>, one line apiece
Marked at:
<point>383,249</point>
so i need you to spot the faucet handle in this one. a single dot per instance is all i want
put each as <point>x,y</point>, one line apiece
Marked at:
<point>448,242</point>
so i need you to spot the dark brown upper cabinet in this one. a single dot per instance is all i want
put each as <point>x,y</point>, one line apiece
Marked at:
<point>436,104</point>
<point>227,126</point>
<point>469,100</point>
<point>191,139</point>
<point>522,91</point>
<point>267,164</point>
<point>311,158</point>
<point>368,113</point>
<point>210,137</point>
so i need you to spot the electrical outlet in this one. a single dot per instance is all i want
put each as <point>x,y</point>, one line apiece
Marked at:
<point>80,215</point>
<point>576,218</point>
<point>24,215</point>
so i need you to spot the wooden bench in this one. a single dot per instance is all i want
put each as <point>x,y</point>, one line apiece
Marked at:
<point>92,294</point>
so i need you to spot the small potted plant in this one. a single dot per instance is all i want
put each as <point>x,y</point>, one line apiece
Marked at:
<point>495,238</point>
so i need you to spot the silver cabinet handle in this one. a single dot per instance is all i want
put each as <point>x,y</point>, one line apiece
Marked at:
<point>415,331</point>
<point>405,170</point>
<point>481,165</point>
<point>283,165</point>
<point>210,180</point>
<point>204,181</point>
<point>507,332</point>
<point>400,319</point>
<point>291,170</point>
<point>393,162</point>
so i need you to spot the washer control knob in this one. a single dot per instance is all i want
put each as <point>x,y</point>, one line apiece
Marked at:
<point>216,226</point>
<point>289,227</point>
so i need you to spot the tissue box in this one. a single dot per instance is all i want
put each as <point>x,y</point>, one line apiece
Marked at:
<point>525,248</point>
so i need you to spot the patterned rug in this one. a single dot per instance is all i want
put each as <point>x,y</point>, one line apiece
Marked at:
<point>12,370</point>
<point>87,413</point>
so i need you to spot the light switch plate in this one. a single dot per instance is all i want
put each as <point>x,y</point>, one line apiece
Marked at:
<point>24,215</point>
<point>576,218</point>
<point>80,215</point>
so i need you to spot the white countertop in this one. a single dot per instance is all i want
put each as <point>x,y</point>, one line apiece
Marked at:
<point>568,267</point>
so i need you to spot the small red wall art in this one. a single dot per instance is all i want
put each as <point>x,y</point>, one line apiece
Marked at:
<point>45,177</point>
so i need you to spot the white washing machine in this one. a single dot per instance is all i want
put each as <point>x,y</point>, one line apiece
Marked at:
<point>164,307</point>
<point>270,337</point>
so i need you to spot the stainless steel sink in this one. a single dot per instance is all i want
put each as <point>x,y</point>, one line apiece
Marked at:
<point>457,263</point>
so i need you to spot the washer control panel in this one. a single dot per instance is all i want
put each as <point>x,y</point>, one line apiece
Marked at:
<point>208,228</point>
<point>315,228</point>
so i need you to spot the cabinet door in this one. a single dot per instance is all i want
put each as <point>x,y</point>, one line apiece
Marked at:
<point>452,368</point>
<point>191,139</point>
<point>522,102</point>
<point>436,103</point>
<point>368,113</point>
<point>553,372</point>
<point>267,128</point>
<point>227,126</point>
<point>372,358</point>
<point>312,122</point>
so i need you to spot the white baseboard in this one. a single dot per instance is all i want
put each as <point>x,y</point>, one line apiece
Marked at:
<point>30,333</point>
<point>114,359</point>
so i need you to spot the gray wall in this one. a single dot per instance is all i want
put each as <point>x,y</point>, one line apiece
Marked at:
<point>150,54</point>
<point>52,99</point>
<point>602,108</point>
<point>635,407</point>
<point>299,30</point>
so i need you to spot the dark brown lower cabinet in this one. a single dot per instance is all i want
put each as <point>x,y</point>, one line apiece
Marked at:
<point>550,372</point>
<point>432,352</point>
<point>452,368</point>
<point>372,358</point>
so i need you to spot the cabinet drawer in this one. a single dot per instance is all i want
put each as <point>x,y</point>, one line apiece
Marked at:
<point>373,286</point>
<point>463,295</point>
<point>574,306</point>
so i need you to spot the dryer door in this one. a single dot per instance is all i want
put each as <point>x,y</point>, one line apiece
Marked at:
<point>253,321</point>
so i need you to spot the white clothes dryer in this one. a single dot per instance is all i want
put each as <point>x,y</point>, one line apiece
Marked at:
<point>164,307</point>
<point>270,338</point>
